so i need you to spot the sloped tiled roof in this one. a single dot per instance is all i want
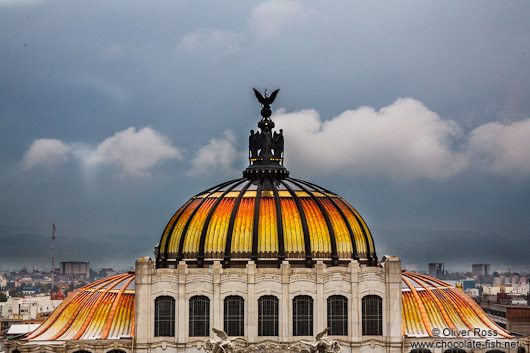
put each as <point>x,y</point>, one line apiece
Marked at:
<point>100,310</point>
<point>432,305</point>
<point>105,310</point>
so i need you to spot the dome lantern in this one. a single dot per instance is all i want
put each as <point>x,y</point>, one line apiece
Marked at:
<point>265,147</point>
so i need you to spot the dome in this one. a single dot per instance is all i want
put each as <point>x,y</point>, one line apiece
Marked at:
<point>430,305</point>
<point>266,220</point>
<point>100,310</point>
<point>266,216</point>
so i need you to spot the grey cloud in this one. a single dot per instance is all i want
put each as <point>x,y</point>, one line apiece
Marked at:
<point>130,152</point>
<point>218,157</point>
<point>46,153</point>
<point>212,42</point>
<point>402,140</point>
<point>502,149</point>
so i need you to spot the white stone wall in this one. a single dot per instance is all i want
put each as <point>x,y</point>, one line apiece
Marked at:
<point>352,281</point>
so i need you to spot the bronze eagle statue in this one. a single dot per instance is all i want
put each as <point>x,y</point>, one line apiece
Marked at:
<point>266,101</point>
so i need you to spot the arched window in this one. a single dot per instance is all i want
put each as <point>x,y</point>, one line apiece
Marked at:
<point>234,315</point>
<point>303,315</point>
<point>268,316</point>
<point>164,316</point>
<point>338,315</point>
<point>372,315</point>
<point>454,350</point>
<point>199,316</point>
<point>116,351</point>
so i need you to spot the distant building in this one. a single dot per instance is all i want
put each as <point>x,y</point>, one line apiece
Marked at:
<point>514,318</point>
<point>436,269</point>
<point>472,292</point>
<point>468,284</point>
<point>27,308</point>
<point>490,290</point>
<point>74,271</point>
<point>32,310</point>
<point>520,289</point>
<point>480,269</point>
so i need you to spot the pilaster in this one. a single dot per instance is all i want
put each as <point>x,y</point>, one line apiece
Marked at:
<point>319,317</point>
<point>181,325</point>
<point>217,308</point>
<point>252,307</point>
<point>284,301</point>
<point>143,329</point>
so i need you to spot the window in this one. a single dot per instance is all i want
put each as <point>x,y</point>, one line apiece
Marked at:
<point>199,316</point>
<point>164,316</point>
<point>234,315</point>
<point>303,316</point>
<point>268,316</point>
<point>372,315</point>
<point>338,315</point>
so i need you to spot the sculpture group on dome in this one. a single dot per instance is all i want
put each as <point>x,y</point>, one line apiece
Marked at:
<point>265,147</point>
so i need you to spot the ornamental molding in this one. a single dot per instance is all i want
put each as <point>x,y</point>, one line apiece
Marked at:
<point>302,277</point>
<point>272,277</point>
<point>337,276</point>
<point>165,278</point>
<point>199,277</point>
<point>234,277</point>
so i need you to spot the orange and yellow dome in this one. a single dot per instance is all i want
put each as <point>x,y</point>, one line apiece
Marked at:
<point>266,219</point>
<point>433,308</point>
<point>100,310</point>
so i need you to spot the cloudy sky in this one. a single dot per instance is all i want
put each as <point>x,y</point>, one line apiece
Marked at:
<point>115,113</point>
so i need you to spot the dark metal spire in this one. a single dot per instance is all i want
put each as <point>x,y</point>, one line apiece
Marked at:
<point>265,146</point>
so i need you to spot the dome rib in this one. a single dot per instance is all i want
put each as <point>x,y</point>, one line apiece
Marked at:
<point>334,255</point>
<point>307,240</point>
<point>206,224</point>
<point>372,259</point>
<point>86,314</point>
<point>164,256</point>
<point>430,303</point>
<point>436,300</point>
<point>279,223</point>
<point>188,222</point>
<point>255,226</point>
<point>230,231</point>
<point>339,210</point>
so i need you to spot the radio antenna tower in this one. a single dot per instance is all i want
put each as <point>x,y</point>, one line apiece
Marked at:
<point>52,248</point>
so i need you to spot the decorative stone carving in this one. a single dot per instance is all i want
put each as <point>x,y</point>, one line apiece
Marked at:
<point>234,277</point>
<point>199,277</point>
<point>271,348</point>
<point>302,277</point>
<point>323,345</point>
<point>337,276</point>
<point>221,343</point>
<point>262,277</point>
